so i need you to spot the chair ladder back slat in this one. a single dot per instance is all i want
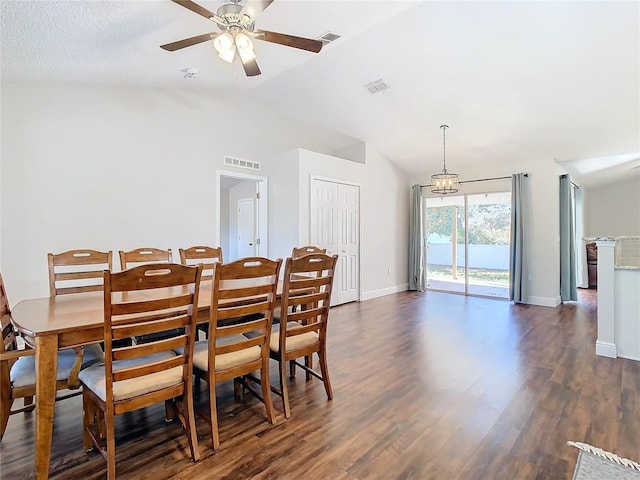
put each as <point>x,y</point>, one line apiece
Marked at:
<point>131,329</point>
<point>70,271</point>
<point>148,369</point>
<point>139,350</point>
<point>299,252</point>
<point>144,255</point>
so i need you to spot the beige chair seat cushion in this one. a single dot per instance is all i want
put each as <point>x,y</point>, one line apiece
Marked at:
<point>93,378</point>
<point>293,343</point>
<point>225,360</point>
<point>23,371</point>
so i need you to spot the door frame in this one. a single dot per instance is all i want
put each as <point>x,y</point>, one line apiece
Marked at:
<point>262,208</point>
<point>355,184</point>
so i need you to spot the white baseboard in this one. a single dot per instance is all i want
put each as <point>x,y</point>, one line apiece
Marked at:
<point>630,357</point>
<point>544,301</point>
<point>606,349</point>
<point>541,301</point>
<point>384,291</point>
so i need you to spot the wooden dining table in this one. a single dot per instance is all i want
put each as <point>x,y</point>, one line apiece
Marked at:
<point>54,323</point>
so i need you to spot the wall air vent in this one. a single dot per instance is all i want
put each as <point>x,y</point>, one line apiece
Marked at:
<point>328,37</point>
<point>377,86</point>
<point>240,163</point>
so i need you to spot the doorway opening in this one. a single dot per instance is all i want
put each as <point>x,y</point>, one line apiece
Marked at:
<point>242,214</point>
<point>467,244</point>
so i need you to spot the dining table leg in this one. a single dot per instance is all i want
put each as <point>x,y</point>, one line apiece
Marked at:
<point>46,371</point>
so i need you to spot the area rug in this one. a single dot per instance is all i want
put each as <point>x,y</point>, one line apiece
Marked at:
<point>596,464</point>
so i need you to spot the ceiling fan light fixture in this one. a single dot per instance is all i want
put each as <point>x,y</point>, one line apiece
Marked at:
<point>228,55</point>
<point>225,45</point>
<point>245,47</point>
<point>246,55</point>
<point>243,42</point>
<point>224,42</point>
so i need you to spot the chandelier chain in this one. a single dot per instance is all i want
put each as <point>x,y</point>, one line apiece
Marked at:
<point>444,147</point>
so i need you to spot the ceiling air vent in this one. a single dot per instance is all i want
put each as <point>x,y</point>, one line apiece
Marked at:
<point>328,37</point>
<point>240,163</point>
<point>377,86</point>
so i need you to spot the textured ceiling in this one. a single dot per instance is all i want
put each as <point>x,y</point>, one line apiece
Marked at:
<point>516,81</point>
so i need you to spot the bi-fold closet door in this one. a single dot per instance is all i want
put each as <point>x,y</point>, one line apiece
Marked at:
<point>335,225</point>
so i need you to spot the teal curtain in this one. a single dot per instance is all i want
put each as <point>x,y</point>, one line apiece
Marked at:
<point>518,251</point>
<point>417,278</point>
<point>568,289</point>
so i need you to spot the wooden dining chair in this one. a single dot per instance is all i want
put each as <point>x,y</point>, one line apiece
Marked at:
<point>207,256</point>
<point>139,301</point>
<point>306,297</point>
<point>18,368</point>
<point>202,254</point>
<point>145,255</point>
<point>298,252</point>
<point>244,291</point>
<point>77,271</point>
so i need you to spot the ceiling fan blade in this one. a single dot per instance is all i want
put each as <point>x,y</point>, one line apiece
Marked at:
<point>194,7</point>
<point>308,44</point>
<point>251,68</point>
<point>253,8</point>
<point>187,42</point>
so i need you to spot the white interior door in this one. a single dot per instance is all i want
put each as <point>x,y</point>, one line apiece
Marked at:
<point>335,225</point>
<point>246,228</point>
<point>348,243</point>
<point>324,214</point>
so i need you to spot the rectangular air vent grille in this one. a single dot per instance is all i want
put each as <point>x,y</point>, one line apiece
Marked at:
<point>377,86</point>
<point>240,163</point>
<point>329,37</point>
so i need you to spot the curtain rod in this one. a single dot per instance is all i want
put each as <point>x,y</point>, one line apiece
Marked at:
<point>574,185</point>
<point>481,180</point>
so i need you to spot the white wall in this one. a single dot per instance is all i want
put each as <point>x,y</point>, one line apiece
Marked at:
<point>627,313</point>
<point>115,169</point>
<point>283,204</point>
<point>613,210</point>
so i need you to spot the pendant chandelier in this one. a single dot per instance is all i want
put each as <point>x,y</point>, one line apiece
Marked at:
<point>444,182</point>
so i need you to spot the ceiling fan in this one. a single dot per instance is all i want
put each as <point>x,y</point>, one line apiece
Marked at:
<point>237,28</point>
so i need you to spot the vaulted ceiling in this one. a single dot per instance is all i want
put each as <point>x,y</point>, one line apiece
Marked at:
<point>514,80</point>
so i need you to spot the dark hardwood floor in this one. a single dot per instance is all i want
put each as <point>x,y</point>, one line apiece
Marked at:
<point>427,386</point>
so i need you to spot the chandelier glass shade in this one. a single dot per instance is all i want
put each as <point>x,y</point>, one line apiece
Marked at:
<point>444,182</point>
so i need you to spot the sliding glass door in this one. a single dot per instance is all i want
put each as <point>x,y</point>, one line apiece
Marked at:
<point>445,243</point>
<point>468,244</point>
